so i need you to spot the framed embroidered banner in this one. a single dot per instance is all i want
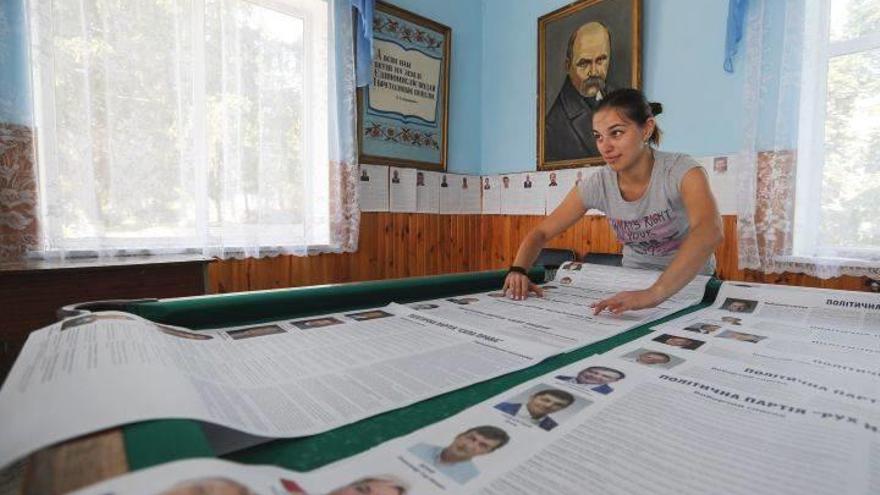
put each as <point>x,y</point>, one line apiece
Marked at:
<point>403,115</point>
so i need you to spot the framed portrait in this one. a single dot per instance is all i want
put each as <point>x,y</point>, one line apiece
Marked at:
<point>403,115</point>
<point>585,50</point>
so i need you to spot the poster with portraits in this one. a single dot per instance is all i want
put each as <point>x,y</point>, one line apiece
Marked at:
<point>373,188</point>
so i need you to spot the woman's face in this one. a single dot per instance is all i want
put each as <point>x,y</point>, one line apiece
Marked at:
<point>620,140</point>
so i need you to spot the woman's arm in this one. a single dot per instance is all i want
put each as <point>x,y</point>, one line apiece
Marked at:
<point>704,236</point>
<point>564,216</point>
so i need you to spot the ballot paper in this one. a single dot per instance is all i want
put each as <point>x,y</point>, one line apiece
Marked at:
<point>402,190</point>
<point>722,172</point>
<point>520,195</point>
<point>427,192</point>
<point>462,194</point>
<point>612,424</point>
<point>470,195</point>
<point>450,194</point>
<point>491,189</point>
<point>278,379</point>
<point>373,188</point>
<point>295,377</point>
<point>778,325</point>
<point>557,185</point>
<point>562,318</point>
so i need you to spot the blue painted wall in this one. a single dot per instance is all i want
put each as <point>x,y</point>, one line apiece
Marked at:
<point>15,100</point>
<point>683,48</point>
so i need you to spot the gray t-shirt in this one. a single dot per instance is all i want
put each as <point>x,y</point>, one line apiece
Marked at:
<point>651,228</point>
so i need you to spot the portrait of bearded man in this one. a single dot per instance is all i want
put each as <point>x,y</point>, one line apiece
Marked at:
<point>569,125</point>
<point>587,50</point>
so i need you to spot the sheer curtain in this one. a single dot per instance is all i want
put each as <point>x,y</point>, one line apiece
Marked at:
<point>806,155</point>
<point>217,127</point>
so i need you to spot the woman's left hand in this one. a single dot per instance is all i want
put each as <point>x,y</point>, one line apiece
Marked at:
<point>628,301</point>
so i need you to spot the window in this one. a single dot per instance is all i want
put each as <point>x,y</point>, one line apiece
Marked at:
<point>838,178</point>
<point>171,125</point>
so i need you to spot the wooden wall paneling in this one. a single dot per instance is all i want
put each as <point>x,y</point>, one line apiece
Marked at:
<point>458,258</point>
<point>517,232</point>
<point>726,254</point>
<point>392,249</point>
<point>416,243</point>
<point>452,246</point>
<point>484,249</point>
<point>232,276</point>
<point>412,244</point>
<point>431,247</point>
<point>218,281</point>
<point>445,238</point>
<point>476,246</point>
<point>500,242</point>
<point>842,283</point>
<point>387,226</point>
<point>396,245</point>
<point>299,272</point>
<point>365,255</point>
<point>274,274</point>
<point>493,242</point>
<point>466,243</point>
<point>503,224</point>
<point>321,270</point>
<point>401,247</point>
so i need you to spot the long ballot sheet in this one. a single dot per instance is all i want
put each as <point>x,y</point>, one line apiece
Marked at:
<point>299,377</point>
<point>687,409</point>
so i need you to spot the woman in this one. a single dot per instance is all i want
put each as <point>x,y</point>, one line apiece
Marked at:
<point>658,203</point>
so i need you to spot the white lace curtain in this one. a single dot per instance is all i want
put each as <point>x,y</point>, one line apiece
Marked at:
<point>218,127</point>
<point>811,156</point>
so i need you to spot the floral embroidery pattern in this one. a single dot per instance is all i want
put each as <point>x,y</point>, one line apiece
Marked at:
<point>767,236</point>
<point>400,30</point>
<point>18,191</point>
<point>401,135</point>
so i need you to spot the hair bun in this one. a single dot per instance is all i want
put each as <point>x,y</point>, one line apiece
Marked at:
<point>656,108</point>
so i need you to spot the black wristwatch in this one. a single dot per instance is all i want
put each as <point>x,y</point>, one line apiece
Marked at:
<point>517,269</point>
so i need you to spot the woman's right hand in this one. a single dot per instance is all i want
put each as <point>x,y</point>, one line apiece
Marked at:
<point>518,286</point>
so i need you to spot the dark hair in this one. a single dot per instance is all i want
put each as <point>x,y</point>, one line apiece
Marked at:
<point>492,433</point>
<point>605,368</point>
<point>559,394</point>
<point>633,104</point>
<point>656,353</point>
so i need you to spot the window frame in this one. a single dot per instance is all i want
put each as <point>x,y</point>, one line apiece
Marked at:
<point>818,51</point>
<point>313,13</point>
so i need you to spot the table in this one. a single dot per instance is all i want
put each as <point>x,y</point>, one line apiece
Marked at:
<point>95,457</point>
